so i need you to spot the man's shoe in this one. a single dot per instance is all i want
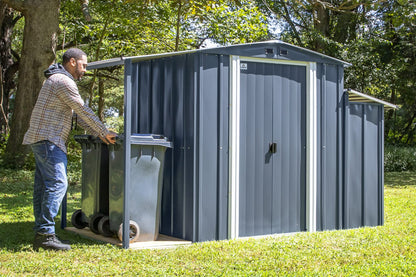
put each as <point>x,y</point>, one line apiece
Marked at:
<point>49,242</point>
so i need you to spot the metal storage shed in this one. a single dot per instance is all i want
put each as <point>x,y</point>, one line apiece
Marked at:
<point>265,140</point>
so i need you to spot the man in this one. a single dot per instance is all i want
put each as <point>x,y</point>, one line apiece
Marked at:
<point>48,132</point>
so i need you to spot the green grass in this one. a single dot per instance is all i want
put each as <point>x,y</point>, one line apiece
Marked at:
<point>388,250</point>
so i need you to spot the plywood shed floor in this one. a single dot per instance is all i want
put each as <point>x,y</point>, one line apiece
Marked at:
<point>162,242</point>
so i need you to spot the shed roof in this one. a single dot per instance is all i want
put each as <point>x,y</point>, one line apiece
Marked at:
<point>267,49</point>
<point>355,96</point>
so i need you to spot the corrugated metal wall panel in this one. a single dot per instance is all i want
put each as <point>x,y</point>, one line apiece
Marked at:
<point>289,130</point>
<point>223,156</point>
<point>364,187</point>
<point>256,90</point>
<point>163,105</point>
<point>212,145</point>
<point>272,186</point>
<point>186,99</point>
<point>329,213</point>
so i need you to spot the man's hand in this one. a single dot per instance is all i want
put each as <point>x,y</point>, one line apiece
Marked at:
<point>110,138</point>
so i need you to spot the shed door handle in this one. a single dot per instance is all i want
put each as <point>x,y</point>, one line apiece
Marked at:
<point>273,147</point>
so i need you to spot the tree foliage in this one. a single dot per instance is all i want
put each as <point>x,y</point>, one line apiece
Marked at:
<point>376,36</point>
<point>9,64</point>
<point>125,28</point>
<point>322,26</point>
<point>383,58</point>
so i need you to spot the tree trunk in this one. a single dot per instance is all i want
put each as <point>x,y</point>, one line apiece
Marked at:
<point>408,128</point>
<point>85,10</point>
<point>8,66</point>
<point>178,25</point>
<point>389,120</point>
<point>321,24</point>
<point>38,52</point>
<point>101,98</point>
<point>287,17</point>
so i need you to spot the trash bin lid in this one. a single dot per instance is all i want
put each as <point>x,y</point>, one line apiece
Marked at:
<point>83,138</point>
<point>88,139</point>
<point>149,139</point>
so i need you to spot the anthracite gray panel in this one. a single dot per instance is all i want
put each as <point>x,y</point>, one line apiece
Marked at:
<point>371,164</point>
<point>185,98</point>
<point>208,147</point>
<point>272,180</point>
<point>355,166</point>
<point>329,202</point>
<point>273,50</point>
<point>223,160</point>
<point>212,148</point>
<point>364,189</point>
<point>164,107</point>
<point>289,130</point>
<point>255,165</point>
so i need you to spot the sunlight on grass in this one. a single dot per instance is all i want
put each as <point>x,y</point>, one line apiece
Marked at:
<point>388,250</point>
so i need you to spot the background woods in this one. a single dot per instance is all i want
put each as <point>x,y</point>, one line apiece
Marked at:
<point>376,36</point>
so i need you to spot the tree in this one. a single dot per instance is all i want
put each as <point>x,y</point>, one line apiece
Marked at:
<point>399,29</point>
<point>228,24</point>
<point>9,63</point>
<point>376,36</point>
<point>109,28</point>
<point>130,28</point>
<point>383,58</point>
<point>38,52</point>
<point>323,26</point>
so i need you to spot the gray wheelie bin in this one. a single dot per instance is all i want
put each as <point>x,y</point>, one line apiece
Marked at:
<point>94,182</point>
<point>146,174</point>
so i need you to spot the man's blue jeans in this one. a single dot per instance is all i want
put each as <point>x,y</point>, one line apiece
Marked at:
<point>50,185</point>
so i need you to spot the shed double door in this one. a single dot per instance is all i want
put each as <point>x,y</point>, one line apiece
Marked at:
<point>272,187</point>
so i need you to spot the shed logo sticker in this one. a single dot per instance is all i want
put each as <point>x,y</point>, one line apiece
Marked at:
<point>243,66</point>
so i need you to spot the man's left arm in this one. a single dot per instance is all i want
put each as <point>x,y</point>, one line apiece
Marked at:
<point>87,118</point>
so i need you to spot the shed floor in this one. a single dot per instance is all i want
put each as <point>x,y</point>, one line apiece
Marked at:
<point>162,242</point>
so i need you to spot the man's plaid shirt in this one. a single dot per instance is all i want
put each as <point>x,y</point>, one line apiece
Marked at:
<point>52,115</point>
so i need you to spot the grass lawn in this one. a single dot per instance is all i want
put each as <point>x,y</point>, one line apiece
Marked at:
<point>388,250</point>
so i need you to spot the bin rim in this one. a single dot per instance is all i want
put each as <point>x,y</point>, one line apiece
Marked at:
<point>83,138</point>
<point>146,139</point>
<point>87,139</point>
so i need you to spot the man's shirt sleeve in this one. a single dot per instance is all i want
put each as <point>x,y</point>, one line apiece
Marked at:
<point>68,93</point>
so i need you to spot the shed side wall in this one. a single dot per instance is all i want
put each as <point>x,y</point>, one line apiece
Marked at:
<point>330,157</point>
<point>162,104</point>
<point>212,147</point>
<point>185,98</point>
<point>364,188</point>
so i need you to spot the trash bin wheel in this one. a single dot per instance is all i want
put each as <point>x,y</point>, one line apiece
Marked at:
<point>94,222</point>
<point>133,234</point>
<point>76,220</point>
<point>104,226</point>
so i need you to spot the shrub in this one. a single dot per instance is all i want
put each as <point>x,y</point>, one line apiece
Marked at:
<point>399,158</point>
<point>74,158</point>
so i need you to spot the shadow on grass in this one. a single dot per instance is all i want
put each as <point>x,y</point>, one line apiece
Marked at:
<point>400,179</point>
<point>18,236</point>
<point>11,202</point>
